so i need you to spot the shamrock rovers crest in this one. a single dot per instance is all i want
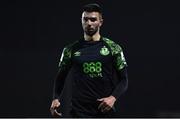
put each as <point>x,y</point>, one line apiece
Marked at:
<point>104,51</point>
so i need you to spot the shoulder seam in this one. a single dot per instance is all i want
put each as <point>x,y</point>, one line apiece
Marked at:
<point>69,47</point>
<point>113,46</point>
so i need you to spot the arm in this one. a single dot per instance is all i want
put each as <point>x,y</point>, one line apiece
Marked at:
<point>59,83</point>
<point>122,85</point>
<point>120,65</point>
<point>64,66</point>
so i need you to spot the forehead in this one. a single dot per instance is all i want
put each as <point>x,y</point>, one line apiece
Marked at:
<point>90,14</point>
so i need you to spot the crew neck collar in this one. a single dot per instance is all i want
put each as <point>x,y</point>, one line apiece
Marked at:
<point>92,41</point>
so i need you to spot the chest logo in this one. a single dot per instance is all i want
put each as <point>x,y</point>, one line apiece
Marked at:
<point>104,51</point>
<point>77,53</point>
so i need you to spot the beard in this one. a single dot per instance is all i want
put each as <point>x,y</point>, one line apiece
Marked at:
<point>91,31</point>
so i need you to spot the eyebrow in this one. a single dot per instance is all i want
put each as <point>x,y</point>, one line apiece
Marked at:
<point>90,17</point>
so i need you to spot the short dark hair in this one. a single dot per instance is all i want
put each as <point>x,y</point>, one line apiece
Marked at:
<point>92,7</point>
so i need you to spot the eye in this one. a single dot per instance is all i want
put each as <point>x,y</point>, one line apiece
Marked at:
<point>85,19</point>
<point>93,19</point>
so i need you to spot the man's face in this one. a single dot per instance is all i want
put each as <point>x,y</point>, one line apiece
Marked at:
<point>91,22</point>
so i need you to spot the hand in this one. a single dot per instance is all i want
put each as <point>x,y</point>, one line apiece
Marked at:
<point>107,103</point>
<point>53,109</point>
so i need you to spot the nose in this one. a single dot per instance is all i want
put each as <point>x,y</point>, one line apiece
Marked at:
<point>89,22</point>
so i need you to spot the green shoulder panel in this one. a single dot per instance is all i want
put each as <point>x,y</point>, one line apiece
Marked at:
<point>117,53</point>
<point>65,60</point>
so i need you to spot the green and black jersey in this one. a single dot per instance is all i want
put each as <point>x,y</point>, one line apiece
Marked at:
<point>93,65</point>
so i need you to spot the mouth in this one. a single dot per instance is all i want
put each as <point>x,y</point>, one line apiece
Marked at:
<point>90,29</point>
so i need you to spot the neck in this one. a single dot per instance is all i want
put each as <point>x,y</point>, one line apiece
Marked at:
<point>95,37</point>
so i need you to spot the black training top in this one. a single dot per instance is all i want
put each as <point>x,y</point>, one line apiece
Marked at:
<point>92,65</point>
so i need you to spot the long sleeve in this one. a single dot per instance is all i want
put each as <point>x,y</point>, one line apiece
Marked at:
<point>120,66</point>
<point>64,66</point>
<point>122,85</point>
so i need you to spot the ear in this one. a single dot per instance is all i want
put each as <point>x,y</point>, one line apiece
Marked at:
<point>101,21</point>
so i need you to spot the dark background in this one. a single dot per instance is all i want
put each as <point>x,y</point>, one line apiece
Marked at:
<point>33,34</point>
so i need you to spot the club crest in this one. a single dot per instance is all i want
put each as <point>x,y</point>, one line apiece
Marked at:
<point>104,51</point>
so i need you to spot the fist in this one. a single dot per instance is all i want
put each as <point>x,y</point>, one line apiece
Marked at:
<point>53,109</point>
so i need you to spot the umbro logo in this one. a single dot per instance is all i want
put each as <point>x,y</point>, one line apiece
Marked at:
<point>77,53</point>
